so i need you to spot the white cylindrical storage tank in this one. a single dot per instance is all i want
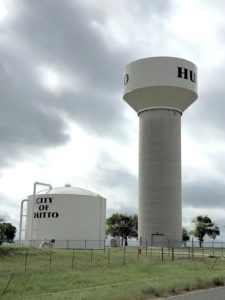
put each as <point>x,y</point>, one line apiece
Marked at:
<point>70,217</point>
<point>159,89</point>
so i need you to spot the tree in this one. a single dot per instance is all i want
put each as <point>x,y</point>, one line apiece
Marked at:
<point>185,236</point>
<point>7,232</point>
<point>122,226</point>
<point>205,226</point>
<point>135,225</point>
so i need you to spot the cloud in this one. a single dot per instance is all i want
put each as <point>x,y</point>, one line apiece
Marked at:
<point>9,209</point>
<point>115,182</point>
<point>62,35</point>
<point>204,195</point>
<point>206,117</point>
<point>25,125</point>
<point>59,36</point>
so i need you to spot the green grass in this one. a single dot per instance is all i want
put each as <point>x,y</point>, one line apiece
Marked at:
<point>98,275</point>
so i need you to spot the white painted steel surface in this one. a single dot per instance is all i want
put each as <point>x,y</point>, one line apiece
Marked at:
<point>154,82</point>
<point>67,214</point>
<point>159,89</point>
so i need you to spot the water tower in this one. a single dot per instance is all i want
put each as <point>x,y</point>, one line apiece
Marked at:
<point>159,89</point>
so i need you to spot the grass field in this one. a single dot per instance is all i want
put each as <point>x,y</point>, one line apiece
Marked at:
<point>112,274</point>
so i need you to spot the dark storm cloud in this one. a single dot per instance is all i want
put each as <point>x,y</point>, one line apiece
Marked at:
<point>24,123</point>
<point>61,35</point>
<point>95,112</point>
<point>54,33</point>
<point>204,195</point>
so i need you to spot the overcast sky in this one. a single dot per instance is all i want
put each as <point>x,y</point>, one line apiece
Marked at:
<point>62,117</point>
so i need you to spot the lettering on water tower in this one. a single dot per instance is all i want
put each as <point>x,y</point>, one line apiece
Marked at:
<point>186,74</point>
<point>44,205</point>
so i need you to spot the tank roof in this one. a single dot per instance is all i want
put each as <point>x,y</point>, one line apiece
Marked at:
<point>67,190</point>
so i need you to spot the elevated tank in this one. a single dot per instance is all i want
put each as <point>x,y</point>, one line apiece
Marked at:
<point>159,89</point>
<point>68,216</point>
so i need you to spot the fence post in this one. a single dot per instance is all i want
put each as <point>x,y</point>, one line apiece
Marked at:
<point>124,251</point>
<point>139,252</point>
<point>73,259</point>
<point>146,247</point>
<point>108,255</point>
<point>162,254</point>
<point>50,260</point>
<point>222,249</point>
<point>172,253</point>
<point>213,247</point>
<point>91,255</point>
<point>26,255</point>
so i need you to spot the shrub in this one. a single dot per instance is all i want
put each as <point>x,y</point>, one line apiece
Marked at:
<point>218,281</point>
<point>151,291</point>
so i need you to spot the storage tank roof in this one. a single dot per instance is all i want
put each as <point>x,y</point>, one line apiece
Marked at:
<point>68,190</point>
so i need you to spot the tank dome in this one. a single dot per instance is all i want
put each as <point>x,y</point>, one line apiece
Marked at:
<point>68,190</point>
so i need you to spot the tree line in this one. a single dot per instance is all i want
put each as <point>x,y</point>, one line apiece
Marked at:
<point>123,226</point>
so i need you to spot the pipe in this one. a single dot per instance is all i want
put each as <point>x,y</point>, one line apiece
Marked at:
<point>32,214</point>
<point>21,218</point>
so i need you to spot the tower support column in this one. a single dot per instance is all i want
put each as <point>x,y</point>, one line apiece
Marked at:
<point>160,218</point>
